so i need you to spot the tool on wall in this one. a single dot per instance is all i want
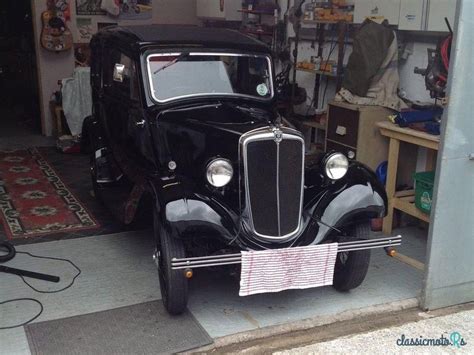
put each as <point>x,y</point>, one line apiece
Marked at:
<point>436,73</point>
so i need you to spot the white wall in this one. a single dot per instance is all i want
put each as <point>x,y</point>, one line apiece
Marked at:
<point>55,66</point>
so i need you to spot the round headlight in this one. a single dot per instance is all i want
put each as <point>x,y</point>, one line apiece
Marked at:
<point>336,166</point>
<point>219,172</point>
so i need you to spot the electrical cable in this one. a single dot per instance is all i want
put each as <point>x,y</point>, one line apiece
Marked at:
<point>28,321</point>
<point>324,92</point>
<point>9,248</point>
<point>51,258</point>
<point>311,102</point>
<point>327,79</point>
<point>445,49</point>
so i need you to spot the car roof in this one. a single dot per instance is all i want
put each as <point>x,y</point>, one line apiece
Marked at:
<point>182,35</point>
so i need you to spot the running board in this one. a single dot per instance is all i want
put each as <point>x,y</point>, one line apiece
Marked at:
<point>231,259</point>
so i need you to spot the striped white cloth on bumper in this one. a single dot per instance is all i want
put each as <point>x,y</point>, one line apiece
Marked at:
<point>290,268</point>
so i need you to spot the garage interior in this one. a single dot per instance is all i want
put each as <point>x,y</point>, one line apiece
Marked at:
<point>108,296</point>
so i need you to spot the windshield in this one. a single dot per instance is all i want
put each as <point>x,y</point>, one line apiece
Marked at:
<point>178,75</point>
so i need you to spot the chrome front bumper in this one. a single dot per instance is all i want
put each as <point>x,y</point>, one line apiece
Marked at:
<point>230,259</point>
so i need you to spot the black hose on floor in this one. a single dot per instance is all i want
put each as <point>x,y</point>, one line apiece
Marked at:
<point>11,252</point>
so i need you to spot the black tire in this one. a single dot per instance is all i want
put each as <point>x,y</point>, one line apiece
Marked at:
<point>351,267</point>
<point>173,283</point>
<point>86,139</point>
<point>95,184</point>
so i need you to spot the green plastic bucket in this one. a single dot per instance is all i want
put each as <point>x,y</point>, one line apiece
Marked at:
<point>424,182</point>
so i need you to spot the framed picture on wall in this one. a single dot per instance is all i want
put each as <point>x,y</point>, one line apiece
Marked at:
<point>128,9</point>
<point>85,29</point>
<point>89,7</point>
<point>135,10</point>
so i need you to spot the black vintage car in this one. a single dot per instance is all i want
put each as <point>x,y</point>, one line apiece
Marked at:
<point>185,126</point>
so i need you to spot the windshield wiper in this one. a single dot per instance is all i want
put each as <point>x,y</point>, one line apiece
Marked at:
<point>174,61</point>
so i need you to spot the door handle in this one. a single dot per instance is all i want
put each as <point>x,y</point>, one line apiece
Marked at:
<point>140,123</point>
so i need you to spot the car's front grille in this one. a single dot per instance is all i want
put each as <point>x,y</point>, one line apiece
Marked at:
<point>273,168</point>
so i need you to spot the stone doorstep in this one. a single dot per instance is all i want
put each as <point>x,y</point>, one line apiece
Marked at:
<point>325,328</point>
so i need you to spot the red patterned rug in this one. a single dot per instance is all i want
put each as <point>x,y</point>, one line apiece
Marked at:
<point>33,199</point>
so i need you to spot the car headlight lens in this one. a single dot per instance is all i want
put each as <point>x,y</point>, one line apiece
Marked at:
<point>336,166</point>
<point>219,172</point>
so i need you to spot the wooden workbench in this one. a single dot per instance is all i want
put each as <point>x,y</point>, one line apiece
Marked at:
<point>404,200</point>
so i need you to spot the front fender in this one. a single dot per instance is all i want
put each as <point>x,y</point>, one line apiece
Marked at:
<point>359,195</point>
<point>187,213</point>
<point>199,216</point>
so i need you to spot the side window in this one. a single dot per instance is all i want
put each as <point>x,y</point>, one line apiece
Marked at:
<point>96,67</point>
<point>110,57</point>
<point>124,76</point>
<point>134,88</point>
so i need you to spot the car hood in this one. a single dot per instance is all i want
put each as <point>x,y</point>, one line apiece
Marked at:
<point>194,135</point>
<point>237,119</point>
<point>207,130</point>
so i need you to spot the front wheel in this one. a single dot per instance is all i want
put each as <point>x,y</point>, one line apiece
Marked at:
<point>95,184</point>
<point>173,283</point>
<point>351,267</point>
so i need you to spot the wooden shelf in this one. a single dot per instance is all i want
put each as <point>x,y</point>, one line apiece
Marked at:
<point>313,124</point>
<point>344,145</point>
<point>319,72</point>
<point>329,22</point>
<point>409,135</point>
<point>407,204</point>
<point>256,12</point>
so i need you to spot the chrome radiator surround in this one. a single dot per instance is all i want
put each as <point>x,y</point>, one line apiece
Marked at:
<point>277,134</point>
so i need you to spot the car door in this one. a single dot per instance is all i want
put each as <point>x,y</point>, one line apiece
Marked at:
<point>121,112</point>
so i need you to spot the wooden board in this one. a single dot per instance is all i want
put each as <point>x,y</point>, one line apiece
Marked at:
<point>409,135</point>
<point>313,124</point>
<point>409,207</point>
<point>409,261</point>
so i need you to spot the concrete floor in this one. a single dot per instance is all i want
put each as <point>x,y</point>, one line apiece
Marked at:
<point>385,340</point>
<point>117,270</point>
<point>16,133</point>
<point>25,141</point>
<point>215,303</point>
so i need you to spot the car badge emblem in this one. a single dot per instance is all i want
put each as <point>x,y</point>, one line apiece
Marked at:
<point>278,135</point>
